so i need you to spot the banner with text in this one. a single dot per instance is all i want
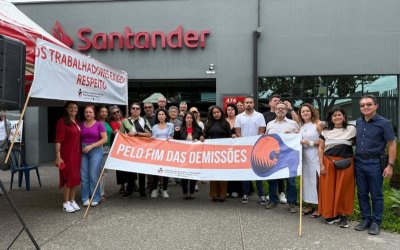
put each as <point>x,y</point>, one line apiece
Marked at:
<point>13,129</point>
<point>64,74</point>
<point>245,158</point>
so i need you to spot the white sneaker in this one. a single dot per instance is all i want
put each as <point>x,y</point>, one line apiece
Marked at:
<point>235,195</point>
<point>262,200</point>
<point>94,203</point>
<point>282,198</point>
<point>68,208</point>
<point>154,193</point>
<point>165,194</point>
<point>74,205</point>
<point>196,188</point>
<point>86,203</point>
<point>267,198</point>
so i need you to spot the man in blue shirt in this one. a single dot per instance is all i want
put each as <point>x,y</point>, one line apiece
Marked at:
<point>374,133</point>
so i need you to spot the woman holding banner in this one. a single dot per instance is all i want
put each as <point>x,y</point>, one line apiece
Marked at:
<point>310,131</point>
<point>234,187</point>
<point>189,131</point>
<point>93,136</point>
<point>102,116</point>
<point>217,127</point>
<point>116,119</point>
<point>336,183</point>
<point>68,155</point>
<point>162,130</point>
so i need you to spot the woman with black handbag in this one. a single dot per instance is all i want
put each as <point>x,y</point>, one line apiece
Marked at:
<point>337,183</point>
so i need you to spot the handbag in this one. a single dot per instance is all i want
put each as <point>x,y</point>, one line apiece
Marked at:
<point>342,163</point>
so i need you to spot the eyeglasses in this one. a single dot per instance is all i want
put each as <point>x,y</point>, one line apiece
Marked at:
<point>135,108</point>
<point>368,105</point>
<point>116,112</point>
<point>147,107</point>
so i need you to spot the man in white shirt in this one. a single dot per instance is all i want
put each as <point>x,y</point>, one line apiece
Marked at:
<point>282,125</point>
<point>250,123</point>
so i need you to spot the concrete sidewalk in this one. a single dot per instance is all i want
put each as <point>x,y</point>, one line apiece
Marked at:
<point>167,223</point>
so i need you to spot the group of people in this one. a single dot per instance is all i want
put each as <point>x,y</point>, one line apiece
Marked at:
<point>331,169</point>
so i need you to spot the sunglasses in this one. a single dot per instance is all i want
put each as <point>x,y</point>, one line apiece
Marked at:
<point>366,105</point>
<point>135,108</point>
<point>116,112</point>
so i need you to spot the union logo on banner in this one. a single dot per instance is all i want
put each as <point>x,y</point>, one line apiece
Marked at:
<point>270,154</point>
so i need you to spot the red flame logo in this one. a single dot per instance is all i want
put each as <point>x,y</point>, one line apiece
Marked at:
<point>58,32</point>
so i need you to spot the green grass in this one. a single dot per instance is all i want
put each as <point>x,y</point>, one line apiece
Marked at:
<point>391,216</point>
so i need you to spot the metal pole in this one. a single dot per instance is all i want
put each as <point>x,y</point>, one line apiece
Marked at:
<point>19,217</point>
<point>398,108</point>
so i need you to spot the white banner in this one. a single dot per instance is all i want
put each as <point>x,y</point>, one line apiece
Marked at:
<point>18,139</point>
<point>64,74</point>
<point>246,158</point>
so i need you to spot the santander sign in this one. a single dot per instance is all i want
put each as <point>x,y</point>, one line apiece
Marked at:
<point>128,39</point>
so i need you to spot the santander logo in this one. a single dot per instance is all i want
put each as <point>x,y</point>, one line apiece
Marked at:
<point>59,33</point>
<point>130,40</point>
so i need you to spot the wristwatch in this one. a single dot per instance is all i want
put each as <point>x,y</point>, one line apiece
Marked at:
<point>391,164</point>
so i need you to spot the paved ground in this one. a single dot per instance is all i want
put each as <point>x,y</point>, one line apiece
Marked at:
<point>167,224</point>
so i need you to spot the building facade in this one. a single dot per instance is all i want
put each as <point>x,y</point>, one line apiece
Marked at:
<point>320,51</point>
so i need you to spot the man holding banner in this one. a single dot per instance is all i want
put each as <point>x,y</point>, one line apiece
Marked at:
<point>282,125</point>
<point>250,123</point>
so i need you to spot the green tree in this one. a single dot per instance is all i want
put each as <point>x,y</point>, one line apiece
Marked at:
<point>325,90</point>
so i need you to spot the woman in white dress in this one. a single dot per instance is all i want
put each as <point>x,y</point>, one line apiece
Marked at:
<point>310,130</point>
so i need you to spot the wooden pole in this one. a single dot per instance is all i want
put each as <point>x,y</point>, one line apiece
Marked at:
<point>95,189</point>
<point>301,204</point>
<point>17,129</point>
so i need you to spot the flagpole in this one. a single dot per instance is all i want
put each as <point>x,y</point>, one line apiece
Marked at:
<point>301,204</point>
<point>95,189</point>
<point>17,129</point>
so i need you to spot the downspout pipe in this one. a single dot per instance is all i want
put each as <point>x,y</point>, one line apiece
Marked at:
<point>256,36</point>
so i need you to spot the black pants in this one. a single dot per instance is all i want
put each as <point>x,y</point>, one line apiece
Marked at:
<point>165,182</point>
<point>184,183</point>
<point>281,185</point>
<point>131,177</point>
<point>235,186</point>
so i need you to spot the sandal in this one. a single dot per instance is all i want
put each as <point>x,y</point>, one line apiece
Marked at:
<point>315,215</point>
<point>307,212</point>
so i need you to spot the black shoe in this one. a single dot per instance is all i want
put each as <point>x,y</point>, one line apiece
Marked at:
<point>186,196</point>
<point>330,221</point>
<point>143,195</point>
<point>364,225</point>
<point>343,222</point>
<point>126,195</point>
<point>374,229</point>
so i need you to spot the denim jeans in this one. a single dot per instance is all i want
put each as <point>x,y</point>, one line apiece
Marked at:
<point>246,187</point>
<point>90,173</point>
<point>290,188</point>
<point>369,181</point>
